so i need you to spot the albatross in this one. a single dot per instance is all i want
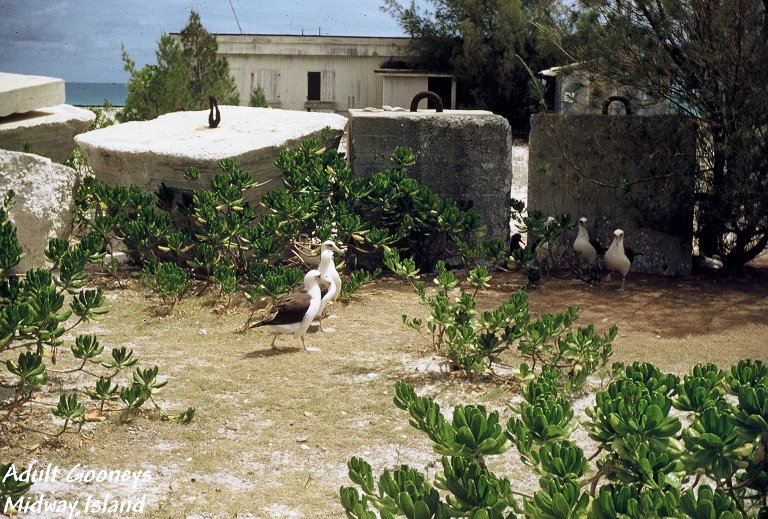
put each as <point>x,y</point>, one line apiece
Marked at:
<point>296,311</point>
<point>583,247</point>
<point>329,292</point>
<point>329,268</point>
<point>615,258</point>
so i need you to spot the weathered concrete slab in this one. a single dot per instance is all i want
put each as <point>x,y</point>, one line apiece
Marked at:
<point>147,153</point>
<point>49,131</point>
<point>42,207</point>
<point>465,155</point>
<point>634,173</point>
<point>20,93</point>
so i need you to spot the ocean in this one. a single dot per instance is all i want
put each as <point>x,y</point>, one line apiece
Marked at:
<point>94,94</point>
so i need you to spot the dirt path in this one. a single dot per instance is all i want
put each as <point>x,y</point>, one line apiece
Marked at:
<point>273,431</point>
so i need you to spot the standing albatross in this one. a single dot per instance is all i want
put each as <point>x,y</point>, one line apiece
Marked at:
<point>296,311</point>
<point>615,258</point>
<point>583,247</point>
<point>328,268</point>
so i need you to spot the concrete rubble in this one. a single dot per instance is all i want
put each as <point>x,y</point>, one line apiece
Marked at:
<point>33,116</point>
<point>148,153</point>
<point>43,202</point>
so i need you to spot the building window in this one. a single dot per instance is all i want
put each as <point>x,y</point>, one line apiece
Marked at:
<point>313,86</point>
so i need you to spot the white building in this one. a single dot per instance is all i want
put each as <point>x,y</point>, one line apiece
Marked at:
<point>328,73</point>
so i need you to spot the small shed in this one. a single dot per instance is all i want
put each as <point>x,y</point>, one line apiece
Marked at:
<point>399,86</point>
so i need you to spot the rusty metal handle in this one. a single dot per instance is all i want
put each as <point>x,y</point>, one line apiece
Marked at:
<point>621,99</point>
<point>427,95</point>
<point>214,118</point>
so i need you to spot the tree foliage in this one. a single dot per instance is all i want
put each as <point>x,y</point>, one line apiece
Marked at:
<point>489,45</point>
<point>709,59</point>
<point>188,70</point>
<point>258,98</point>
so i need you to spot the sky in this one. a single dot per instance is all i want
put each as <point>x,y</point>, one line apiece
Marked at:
<point>79,40</point>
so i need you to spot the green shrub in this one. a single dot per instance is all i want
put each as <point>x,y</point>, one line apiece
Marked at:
<point>641,468</point>
<point>220,239</point>
<point>37,311</point>
<point>258,98</point>
<point>473,343</point>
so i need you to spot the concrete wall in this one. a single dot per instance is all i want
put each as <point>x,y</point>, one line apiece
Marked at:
<point>280,65</point>
<point>464,155</point>
<point>635,173</point>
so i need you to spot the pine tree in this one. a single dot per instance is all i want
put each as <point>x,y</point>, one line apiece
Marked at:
<point>188,70</point>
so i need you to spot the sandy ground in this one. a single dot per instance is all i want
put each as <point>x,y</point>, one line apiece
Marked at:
<point>274,430</point>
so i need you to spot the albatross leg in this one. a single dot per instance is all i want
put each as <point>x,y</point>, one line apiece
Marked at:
<point>320,322</point>
<point>333,315</point>
<point>308,348</point>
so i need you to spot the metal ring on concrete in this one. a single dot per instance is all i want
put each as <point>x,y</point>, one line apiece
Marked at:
<point>621,99</point>
<point>426,94</point>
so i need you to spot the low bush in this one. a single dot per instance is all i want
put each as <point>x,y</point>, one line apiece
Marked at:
<point>37,310</point>
<point>543,231</point>
<point>707,462</point>
<point>473,341</point>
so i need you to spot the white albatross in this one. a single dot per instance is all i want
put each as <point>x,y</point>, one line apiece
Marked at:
<point>326,261</point>
<point>615,258</point>
<point>328,268</point>
<point>583,247</point>
<point>296,311</point>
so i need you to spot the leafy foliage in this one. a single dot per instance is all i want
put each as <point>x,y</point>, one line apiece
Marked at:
<point>219,236</point>
<point>490,47</point>
<point>36,313</point>
<point>474,342</point>
<point>371,216</point>
<point>545,235</point>
<point>641,467</point>
<point>258,98</point>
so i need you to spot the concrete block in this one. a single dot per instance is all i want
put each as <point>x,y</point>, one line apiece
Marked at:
<point>43,202</point>
<point>146,153</point>
<point>465,155</point>
<point>634,173</point>
<point>20,93</point>
<point>49,132</point>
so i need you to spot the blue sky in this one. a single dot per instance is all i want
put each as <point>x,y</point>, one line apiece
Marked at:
<point>79,40</point>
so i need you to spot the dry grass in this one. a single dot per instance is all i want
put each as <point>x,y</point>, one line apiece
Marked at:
<point>274,430</point>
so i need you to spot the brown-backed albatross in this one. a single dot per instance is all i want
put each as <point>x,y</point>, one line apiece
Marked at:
<point>296,311</point>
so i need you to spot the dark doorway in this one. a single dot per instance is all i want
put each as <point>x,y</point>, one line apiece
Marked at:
<point>313,86</point>
<point>442,87</point>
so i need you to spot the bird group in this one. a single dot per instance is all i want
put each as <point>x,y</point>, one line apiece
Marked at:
<point>295,312</point>
<point>617,257</point>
